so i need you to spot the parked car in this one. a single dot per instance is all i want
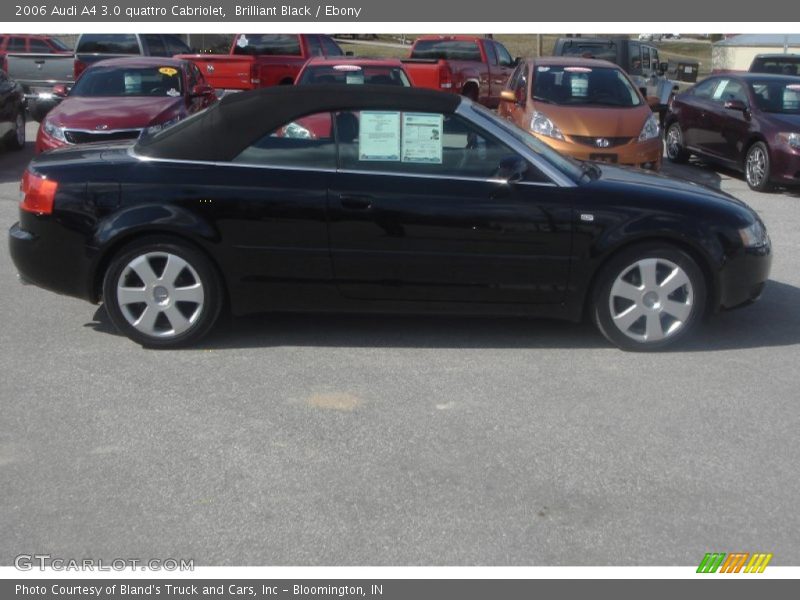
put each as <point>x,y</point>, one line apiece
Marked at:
<point>420,201</point>
<point>94,47</point>
<point>12,113</point>
<point>640,61</point>
<point>475,67</point>
<point>749,122</point>
<point>263,59</point>
<point>587,109</point>
<point>358,71</point>
<point>778,64</point>
<point>37,63</point>
<point>117,99</point>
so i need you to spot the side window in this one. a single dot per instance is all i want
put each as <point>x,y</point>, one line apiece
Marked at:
<point>646,58</point>
<point>197,74</point>
<point>154,44</point>
<point>503,56</point>
<point>417,144</point>
<point>175,46</point>
<point>40,46</point>
<point>634,58</point>
<point>705,88</point>
<point>654,58</point>
<point>306,142</point>
<point>314,46</point>
<point>16,44</point>
<point>491,53</point>
<point>729,89</point>
<point>330,47</point>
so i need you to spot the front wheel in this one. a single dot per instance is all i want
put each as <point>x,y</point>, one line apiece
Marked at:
<point>16,140</point>
<point>756,167</point>
<point>162,293</point>
<point>649,297</point>
<point>674,142</point>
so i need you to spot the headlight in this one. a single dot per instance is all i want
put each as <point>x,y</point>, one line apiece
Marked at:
<point>651,128</point>
<point>293,130</point>
<point>54,132</point>
<point>793,139</point>
<point>156,128</point>
<point>542,125</point>
<point>753,235</point>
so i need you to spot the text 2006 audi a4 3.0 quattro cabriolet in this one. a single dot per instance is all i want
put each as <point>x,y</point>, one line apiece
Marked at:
<point>361,198</point>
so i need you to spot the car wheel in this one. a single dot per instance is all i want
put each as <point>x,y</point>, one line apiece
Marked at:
<point>471,92</point>
<point>674,141</point>
<point>162,293</point>
<point>16,141</point>
<point>649,297</point>
<point>756,167</point>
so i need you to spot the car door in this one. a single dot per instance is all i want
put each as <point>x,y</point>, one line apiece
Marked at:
<point>694,108</point>
<point>418,213</point>
<point>270,205</point>
<point>731,125</point>
<point>505,68</point>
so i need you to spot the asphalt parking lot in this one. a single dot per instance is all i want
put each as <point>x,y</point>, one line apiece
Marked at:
<point>329,440</point>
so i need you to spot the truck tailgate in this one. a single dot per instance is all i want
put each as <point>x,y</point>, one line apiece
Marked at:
<point>224,71</point>
<point>424,72</point>
<point>40,71</point>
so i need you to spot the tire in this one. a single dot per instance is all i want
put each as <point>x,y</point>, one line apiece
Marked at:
<point>648,297</point>
<point>471,92</point>
<point>16,139</point>
<point>757,167</point>
<point>673,140</point>
<point>142,285</point>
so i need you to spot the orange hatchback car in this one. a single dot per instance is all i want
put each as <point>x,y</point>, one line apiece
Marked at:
<point>584,108</point>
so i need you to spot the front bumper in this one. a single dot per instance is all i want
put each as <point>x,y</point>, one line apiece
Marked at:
<point>634,153</point>
<point>785,167</point>
<point>744,275</point>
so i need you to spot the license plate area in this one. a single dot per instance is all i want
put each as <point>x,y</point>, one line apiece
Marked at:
<point>603,157</point>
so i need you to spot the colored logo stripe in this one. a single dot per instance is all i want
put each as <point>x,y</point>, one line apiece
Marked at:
<point>758,563</point>
<point>734,562</point>
<point>711,562</point>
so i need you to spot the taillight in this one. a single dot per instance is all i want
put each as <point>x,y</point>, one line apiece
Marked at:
<point>38,194</point>
<point>80,67</point>
<point>445,77</point>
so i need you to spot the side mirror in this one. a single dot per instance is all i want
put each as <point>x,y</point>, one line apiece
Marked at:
<point>735,105</point>
<point>60,90</point>
<point>512,169</point>
<point>663,67</point>
<point>349,53</point>
<point>517,60</point>
<point>202,89</point>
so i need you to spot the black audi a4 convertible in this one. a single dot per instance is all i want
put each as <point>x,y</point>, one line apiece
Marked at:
<point>361,198</point>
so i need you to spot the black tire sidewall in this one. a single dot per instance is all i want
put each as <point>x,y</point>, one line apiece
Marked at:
<point>12,142</point>
<point>681,155</point>
<point>765,185</point>
<point>210,279</point>
<point>610,271</point>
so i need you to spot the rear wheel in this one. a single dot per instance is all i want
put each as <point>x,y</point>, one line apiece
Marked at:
<point>471,92</point>
<point>16,140</point>
<point>162,293</point>
<point>756,167</point>
<point>649,297</point>
<point>674,142</point>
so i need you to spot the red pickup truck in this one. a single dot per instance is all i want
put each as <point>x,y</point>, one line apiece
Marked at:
<point>259,60</point>
<point>473,66</point>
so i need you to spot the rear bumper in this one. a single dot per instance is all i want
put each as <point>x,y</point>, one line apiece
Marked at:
<point>744,275</point>
<point>62,267</point>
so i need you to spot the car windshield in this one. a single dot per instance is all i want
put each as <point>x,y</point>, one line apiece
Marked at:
<point>108,43</point>
<point>267,44</point>
<point>779,66</point>
<point>597,86</point>
<point>778,96</point>
<point>355,74</point>
<point>570,167</point>
<point>447,50</point>
<point>129,81</point>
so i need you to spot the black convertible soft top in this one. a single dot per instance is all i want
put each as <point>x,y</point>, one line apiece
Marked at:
<point>221,132</point>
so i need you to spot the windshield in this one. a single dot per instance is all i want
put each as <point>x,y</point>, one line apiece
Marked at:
<point>268,44</point>
<point>355,74</point>
<point>781,96</point>
<point>569,166</point>
<point>598,86</point>
<point>447,50</point>
<point>130,81</point>
<point>109,43</point>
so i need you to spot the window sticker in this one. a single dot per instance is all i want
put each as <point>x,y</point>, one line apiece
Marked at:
<point>721,88</point>
<point>242,42</point>
<point>422,138</point>
<point>168,71</point>
<point>379,136</point>
<point>173,92</point>
<point>354,78</point>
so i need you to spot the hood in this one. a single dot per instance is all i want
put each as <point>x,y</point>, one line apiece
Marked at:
<point>81,112</point>
<point>596,121</point>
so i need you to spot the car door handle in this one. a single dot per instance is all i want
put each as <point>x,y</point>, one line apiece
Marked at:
<point>355,201</point>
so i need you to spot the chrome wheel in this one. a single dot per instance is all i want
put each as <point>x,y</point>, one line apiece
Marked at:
<point>160,294</point>
<point>756,166</point>
<point>651,300</point>
<point>674,141</point>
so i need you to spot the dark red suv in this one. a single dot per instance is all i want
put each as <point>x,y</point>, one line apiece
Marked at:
<point>750,122</point>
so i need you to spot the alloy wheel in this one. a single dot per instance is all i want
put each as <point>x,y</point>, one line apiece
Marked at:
<point>756,166</point>
<point>674,140</point>
<point>160,294</point>
<point>651,300</point>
